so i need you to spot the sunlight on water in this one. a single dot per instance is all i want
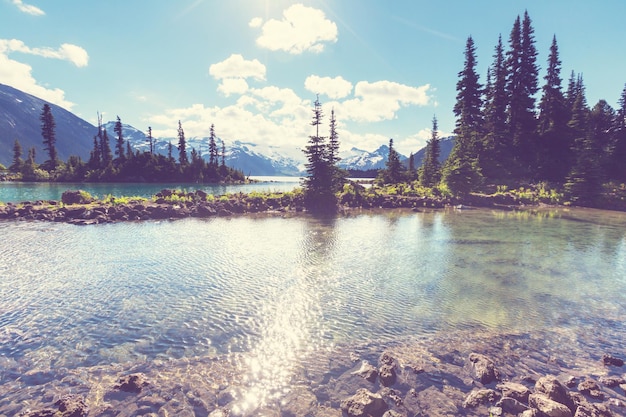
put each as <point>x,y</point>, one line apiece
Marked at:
<point>269,293</point>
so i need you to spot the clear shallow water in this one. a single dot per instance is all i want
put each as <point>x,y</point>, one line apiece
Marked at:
<point>275,290</point>
<point>15,192</point>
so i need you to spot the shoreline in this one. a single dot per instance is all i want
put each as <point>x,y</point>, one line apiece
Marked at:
<point>79,208</point>
<point>554,372</point>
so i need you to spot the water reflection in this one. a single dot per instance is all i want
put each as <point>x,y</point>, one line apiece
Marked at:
<point>270,293</point>
<point>291,324</point>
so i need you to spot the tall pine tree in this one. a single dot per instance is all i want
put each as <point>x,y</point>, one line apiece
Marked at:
<point>496,156</point>
<point>182,147</point>
<point>554,145</point>
<point>430,172</point>
<point>462,172</point>
<point>119,142</point>
<point>48,127</point>
<point>521,87</point>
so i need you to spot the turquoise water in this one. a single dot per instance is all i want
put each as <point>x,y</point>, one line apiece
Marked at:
<point>286,287</point>
<point>28,191</point>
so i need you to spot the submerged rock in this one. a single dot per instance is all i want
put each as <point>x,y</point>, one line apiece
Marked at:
<point>611,360</point>
<point>131,383</point>
<point>363,404</point>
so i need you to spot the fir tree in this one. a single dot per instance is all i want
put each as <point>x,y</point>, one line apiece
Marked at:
<point>617,161</point>
<point>150,140</point>
<point>18,162</point>
<point>119,143</point>
<point>521,86</point>
<point>394,171</point>
<point>496,156</point>
<point>430,172</point>
<point>318,184</point>
<point>583,183</point>
<point>182,147</point>
<point>49,138</point>
<point>95,158</point>
<point>107,156</point>
<point>213,153</point>
<point>462,172</point>
<point>554,147</point>
<point>223,154</point>
<point>338,175</point>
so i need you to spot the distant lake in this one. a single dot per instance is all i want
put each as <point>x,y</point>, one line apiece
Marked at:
<point>269,293</point>
<point>33,191</point>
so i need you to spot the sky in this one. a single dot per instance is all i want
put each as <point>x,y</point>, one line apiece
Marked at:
<point>254,68</point>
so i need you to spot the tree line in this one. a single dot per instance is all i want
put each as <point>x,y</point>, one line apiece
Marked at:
<point>121,163</point>
<point>502,136</point>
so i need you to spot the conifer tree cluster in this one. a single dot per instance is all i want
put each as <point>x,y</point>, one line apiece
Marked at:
<point>324,177</point>
<point>126,165</point>
<point>502,135</point>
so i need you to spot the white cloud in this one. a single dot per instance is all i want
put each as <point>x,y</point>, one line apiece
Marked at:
<point>19,75</point>
<point>235,66</point>
<point>230,86</point>
<point>301,29</point>
<point>27,8</point>
<point>68,52</point>
<point>333,88</point>
<point>256,22</point>
<point>378,101</point>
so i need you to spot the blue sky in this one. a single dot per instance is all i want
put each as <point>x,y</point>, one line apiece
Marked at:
<point>253,67</point>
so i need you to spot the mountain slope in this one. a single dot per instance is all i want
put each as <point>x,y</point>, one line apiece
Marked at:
<point>19,119</point>
<point>445,146</point>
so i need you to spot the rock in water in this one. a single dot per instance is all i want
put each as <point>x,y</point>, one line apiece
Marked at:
<point>364,403</point>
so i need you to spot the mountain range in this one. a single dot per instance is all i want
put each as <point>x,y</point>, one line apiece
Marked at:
<point>19,119</point>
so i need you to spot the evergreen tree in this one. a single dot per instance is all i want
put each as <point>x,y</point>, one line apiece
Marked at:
<point>554,147</point>
<point>213,153</point>
<point>223,154</point>
<point>18,162</point>
<point>95,158</point>
<point>617,161</point>
<point>129,151</point>
<point>412,171</point>
<point>182,146</point>
<point>430,173</point>
<point>583,183</point>
<point>462,172</point>
<point>394,171</point>
<point>119,144</point>
<point>49,139</point>
<point>521,86</point>
<point>496,159</point>
<point>318,184</point>
<point>170,149</point>
<point>107,155</point>
<point>338,175</point>
<point>150,140</point>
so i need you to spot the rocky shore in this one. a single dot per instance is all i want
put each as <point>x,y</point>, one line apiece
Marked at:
<point>78,207</point>
<point>553,373</point>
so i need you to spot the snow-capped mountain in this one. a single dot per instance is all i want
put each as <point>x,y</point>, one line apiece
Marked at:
<point>358,159</point>
<point>19,119</point>
<point>248,157</point>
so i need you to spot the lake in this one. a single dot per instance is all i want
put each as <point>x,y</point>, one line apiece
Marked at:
<point>16,192</point>
<point>256,289</point>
